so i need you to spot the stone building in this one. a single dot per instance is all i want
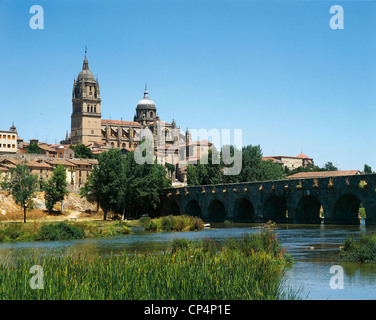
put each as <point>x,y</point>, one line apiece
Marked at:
<point>86,108</point>
<point>301,160</point>
<point>88,127</point>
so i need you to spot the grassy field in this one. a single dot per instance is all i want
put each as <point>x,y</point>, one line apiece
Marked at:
<point>249,268</point>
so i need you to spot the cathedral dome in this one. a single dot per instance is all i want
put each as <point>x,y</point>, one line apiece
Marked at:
<point>85,73</point>
<point>146,102</point>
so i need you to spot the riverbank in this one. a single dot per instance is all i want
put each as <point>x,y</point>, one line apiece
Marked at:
<point>248,268</point>
<point>67,230</point>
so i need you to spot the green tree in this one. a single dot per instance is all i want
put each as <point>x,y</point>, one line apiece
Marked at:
<point>22,186</point>
<point>329,166</point>
<point>143,186</point>
<point>206,173</point>
<point>81,151</point>
<point>106,181</point>
<point>56,188</point>
<point>271,171</point>
<point>253,169</point>
<point>308,168</point>
<point>229,178</point>
<point>367,169</point>
<point>33,148</point>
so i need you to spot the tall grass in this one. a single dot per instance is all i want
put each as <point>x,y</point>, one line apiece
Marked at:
<point>197,270</point>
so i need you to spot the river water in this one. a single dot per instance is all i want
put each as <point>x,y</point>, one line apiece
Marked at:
<point>315,249</point>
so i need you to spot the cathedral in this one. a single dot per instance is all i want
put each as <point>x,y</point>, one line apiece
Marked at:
<point>88,127</point>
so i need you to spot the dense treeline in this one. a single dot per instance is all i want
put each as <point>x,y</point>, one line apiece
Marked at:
<point>121,186</point>
<point>253,168</point>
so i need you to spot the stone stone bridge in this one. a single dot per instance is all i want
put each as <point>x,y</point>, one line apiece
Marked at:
<point>334,200</point>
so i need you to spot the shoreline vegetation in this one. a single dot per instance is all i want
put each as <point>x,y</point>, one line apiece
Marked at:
<point>67,230</point>
<point>362,250</point>
<point>250,268</point>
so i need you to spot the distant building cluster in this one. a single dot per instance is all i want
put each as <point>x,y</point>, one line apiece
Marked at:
<point>301,160</point>
<point>43,163</point>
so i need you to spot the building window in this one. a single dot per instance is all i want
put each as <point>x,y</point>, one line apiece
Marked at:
<point>92,131</point>
<point>151,114</point>
<point>95,109</point>
<point>88,108</point>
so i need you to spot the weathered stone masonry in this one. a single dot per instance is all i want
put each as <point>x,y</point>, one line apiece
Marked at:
<point>295,201</point>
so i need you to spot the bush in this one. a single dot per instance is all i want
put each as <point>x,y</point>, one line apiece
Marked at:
<point>12,231</point>
<point>172,223</point>
<point>145,220</point>
<point>151,226</point>
<point>125,230</point>
<point>363,250</point>
<point>167,223</point>
<point>60,231</point>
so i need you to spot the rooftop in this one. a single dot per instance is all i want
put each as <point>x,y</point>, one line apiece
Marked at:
<point>323,174</point>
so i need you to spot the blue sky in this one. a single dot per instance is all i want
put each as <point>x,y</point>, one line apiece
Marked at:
<point>274,69</point>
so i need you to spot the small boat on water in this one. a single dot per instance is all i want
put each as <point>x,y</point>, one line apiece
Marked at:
<point>207,225</point>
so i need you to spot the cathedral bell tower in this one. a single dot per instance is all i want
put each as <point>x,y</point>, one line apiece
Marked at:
<point>86,103</point>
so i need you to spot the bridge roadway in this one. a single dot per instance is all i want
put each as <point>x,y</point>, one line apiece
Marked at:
<point>334,200</point>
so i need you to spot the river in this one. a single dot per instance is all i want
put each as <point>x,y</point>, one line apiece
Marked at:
<point>315,250</point>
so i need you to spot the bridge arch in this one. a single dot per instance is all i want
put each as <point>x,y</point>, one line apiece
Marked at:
<point>275,209</point>
<point>243,211</point>
<point>193,208</point>
<point>308,210</point>
<point>173,208</point>
<point>346,210</point>
<point>216,211</point>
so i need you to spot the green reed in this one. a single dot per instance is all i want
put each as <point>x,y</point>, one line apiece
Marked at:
<point>190,271</point>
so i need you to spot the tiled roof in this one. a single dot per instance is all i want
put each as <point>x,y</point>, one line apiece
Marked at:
<point>81,162</point>
<point>271,159</point>
<point>323,174</point>
<point>46,147</point>
<point>122,123</point>
<point>30,163</point>
<point>300,156</point>
<point>303,156</point>
<point>60,161</point>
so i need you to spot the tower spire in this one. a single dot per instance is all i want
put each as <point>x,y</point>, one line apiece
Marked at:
<point>146,92</point>
<point>86,62</point>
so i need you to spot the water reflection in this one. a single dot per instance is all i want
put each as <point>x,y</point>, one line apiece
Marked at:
<point>315,249</point>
